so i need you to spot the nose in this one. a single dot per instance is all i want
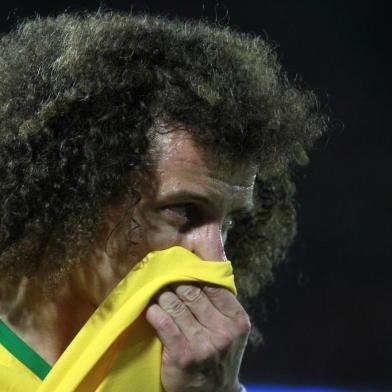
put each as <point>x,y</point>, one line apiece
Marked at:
<point>206,242</point>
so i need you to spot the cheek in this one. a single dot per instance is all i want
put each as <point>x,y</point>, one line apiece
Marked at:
<point>153,233</point>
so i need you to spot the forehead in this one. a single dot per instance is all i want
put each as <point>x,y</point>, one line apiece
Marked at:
<point>176,153</point>
<point>182,167</point>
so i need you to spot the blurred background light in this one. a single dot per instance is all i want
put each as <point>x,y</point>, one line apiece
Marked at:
<point>285,388</point>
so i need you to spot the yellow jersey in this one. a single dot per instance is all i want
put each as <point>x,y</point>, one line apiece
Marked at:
<point>117,349</point>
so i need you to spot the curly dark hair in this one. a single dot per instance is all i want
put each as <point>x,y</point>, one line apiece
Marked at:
<point>78,94</point>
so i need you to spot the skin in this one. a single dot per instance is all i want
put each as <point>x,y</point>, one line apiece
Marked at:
<point>203,329</point>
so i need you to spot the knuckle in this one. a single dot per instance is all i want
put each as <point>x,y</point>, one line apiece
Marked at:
<point>210,353</point>
<point>190,293</point>
<point>195,357</point>
<point>164,323</point>
<point>206,351</point>
<point>198,335</point>
<point>175,306</point>
<point>185,357</point>
<point>212,289</point>
<point>223,340</point>
<point>243,322</point>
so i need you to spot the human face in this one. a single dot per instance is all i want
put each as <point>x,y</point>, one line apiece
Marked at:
<point>189,199</point>
<point>193,199</point>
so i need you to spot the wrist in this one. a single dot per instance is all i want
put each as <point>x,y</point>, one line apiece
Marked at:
<point>242,388</point>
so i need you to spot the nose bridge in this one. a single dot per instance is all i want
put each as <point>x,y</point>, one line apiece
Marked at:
<point>206,242</point>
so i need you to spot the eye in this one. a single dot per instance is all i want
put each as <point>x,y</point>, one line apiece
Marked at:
<point>183,213</point>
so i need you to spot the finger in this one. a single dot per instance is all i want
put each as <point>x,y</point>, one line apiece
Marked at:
<point>167,330</point>
<point>200,305</point>
<point>182,316</point>
<point>222,299</point>
<point>227,303</point>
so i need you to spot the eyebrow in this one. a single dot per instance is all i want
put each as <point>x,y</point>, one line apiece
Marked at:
<point>189,195</point>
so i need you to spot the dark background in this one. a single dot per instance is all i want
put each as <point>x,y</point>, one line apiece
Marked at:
<point>329,310</point>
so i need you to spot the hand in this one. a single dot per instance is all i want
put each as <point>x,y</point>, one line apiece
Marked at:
<point>204,331</point>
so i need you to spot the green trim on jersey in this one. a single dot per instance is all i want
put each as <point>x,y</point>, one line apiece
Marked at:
<point>24,353</point>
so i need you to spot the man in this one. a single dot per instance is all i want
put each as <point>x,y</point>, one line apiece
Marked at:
<point>144,133</point>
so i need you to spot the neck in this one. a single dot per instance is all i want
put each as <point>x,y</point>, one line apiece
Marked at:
<point>46,324</point>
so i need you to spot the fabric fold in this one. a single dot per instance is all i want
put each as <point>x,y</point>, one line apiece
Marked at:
<point>117,349</point>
